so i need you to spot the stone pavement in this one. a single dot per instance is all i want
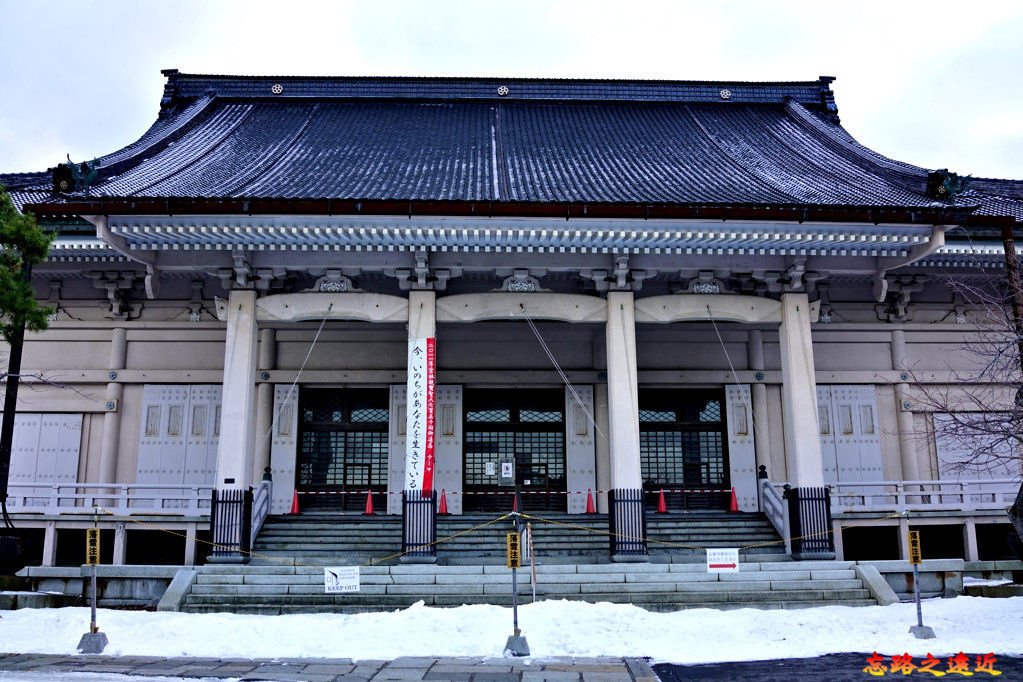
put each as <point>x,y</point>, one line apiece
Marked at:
<point>475,669</point>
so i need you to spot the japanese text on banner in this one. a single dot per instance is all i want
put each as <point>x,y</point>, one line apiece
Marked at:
<point>422,381</point>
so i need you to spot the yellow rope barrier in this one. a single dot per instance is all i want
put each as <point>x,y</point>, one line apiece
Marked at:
<point>467,531</point>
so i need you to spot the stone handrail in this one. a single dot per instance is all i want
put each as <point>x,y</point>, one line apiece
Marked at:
<point>122,499</point>
<point>899,496</point>
<point>261,506</point>
<point>776,509</point>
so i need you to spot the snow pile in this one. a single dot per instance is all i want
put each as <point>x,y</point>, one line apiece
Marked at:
<point>553,628</point>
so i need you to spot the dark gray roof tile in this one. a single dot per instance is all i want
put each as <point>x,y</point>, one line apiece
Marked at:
<point>547,141</point>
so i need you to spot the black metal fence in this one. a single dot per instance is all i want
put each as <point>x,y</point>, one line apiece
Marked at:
<point>627,522</point>
<point>810,520</point>
<point>231,525</point>
<point>688,499</point>
<point>419,524</point>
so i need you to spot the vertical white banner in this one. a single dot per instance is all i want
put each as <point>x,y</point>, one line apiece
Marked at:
<point>419,424</point>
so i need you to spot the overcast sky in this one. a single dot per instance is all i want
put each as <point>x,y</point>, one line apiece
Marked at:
<point>938,84</point>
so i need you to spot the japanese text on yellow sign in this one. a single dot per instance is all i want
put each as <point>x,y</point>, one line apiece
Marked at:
<point>514,558</point>
<point>914,547</point>
<point>92,546</point>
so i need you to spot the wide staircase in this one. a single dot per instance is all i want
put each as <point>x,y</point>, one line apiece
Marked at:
<point>572,562</point>
<point>480,539</point>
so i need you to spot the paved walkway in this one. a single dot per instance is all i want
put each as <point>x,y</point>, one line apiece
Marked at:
<point>600,669</point>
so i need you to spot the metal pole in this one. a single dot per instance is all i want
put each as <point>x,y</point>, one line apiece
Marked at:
<point>515,583</point>
<point>916,595</point>
<point>93,628</point>
<point>532,559</point>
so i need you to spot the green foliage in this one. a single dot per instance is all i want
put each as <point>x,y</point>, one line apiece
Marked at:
<point>21,243</point>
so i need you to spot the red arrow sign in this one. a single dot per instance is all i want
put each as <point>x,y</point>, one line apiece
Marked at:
<point>723,565</point>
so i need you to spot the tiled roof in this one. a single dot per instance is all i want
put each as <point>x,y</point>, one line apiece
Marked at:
<point>682,143</point>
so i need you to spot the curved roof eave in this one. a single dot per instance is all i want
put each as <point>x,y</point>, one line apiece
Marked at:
<point>934,215</point>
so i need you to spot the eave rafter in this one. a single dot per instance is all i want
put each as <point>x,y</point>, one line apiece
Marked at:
<point>538,235</point>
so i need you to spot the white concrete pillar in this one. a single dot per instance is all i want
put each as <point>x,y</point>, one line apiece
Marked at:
<point>422,315</point>
<point>237,437</point>
<point>112,418</point>
<point>190,545</point>
<point>970,540</point>
<point>623,392</point>
<point>904,538</point>
<point>50,544</point>
<point>120,543</point>
<point>799,393</point>
<point>904,416</point>
<point>758,395</point>
<point>264,403</point>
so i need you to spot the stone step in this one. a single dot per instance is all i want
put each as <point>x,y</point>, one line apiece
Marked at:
<point>824,569</point>
<point>279,609</point>
<point>483,592</point>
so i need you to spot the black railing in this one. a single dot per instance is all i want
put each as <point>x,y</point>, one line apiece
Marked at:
<point>687,499</point>
<point>627,522</point>
<point>419,525</point>
<point>231,525</point>
<point>810,521</point>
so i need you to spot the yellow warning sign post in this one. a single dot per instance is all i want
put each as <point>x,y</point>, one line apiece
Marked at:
<point>93,641</point>
<point>516,644</point>
<point>920,631</point>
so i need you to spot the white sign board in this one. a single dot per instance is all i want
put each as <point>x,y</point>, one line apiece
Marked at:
<point>722,560</point>
<point>340,579</point>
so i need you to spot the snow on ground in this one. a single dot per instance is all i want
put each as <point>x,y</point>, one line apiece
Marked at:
<point>982,582</point>
<point>553,628</point>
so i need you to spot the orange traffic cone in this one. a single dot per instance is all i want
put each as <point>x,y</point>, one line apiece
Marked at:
<point>662,508</point>
<point>369,504</point>
<point>590,509</point>
<point>294,503</point>
<point>733,505</point>
<point>443,502</point>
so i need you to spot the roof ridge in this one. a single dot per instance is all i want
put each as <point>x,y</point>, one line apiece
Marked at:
<point>181,86</point>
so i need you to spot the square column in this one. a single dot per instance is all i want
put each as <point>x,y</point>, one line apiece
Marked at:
<point>623,391</point>
<point>803,457</point>
<point>237,420</point>
<point>419,505</point>
<point>626,514</point>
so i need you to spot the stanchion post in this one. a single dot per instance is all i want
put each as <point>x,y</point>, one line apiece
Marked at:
<point>93,641</point>
<point>920,631</point>
<point>516,644</point>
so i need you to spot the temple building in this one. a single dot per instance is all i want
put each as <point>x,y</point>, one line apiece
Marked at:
<point>683,295</point>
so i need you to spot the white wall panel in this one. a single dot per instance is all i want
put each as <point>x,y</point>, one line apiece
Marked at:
<point>283,447</point>
<point>447,447</point>
<point>957,454</point>
<point>826,428</point>
<point>45,451</point>
<point>742,456</point>
<point>178,435</point>
<point>396,454</point>
<point>850,434</point>
<point>580,453</point>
